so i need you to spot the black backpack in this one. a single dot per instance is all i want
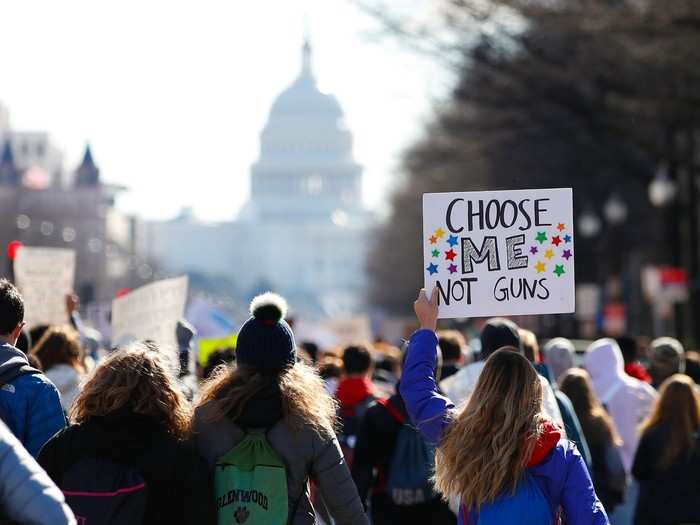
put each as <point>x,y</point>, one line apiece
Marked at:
<point>103,492</point>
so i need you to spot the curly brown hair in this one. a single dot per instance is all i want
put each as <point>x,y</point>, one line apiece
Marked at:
<point>305,401</point>
<point>60,344</point>
<point>137,377</point>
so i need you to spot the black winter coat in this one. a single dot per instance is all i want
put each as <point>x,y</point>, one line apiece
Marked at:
<point>373,452</point>
<point>666,496</point>
<point>180,490</point>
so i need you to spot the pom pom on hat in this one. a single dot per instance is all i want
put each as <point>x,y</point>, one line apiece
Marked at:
<point>265,341</point>
<point>268,308</point>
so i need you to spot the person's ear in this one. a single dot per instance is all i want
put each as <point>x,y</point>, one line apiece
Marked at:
<point>18,329</point>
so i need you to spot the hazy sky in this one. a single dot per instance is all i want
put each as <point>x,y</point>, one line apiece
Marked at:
<point>172,94</point>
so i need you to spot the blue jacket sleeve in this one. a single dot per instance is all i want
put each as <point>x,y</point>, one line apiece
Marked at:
<point>428,409</point>
<point>45,415</point>
<point>579,500</point>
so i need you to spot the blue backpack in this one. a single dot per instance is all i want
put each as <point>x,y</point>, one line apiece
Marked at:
<point>412,464</point>
<point>527,506</point>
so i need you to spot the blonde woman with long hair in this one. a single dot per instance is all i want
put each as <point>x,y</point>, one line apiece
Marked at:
<point>269,400</point>
<point>126,458</point>
<point>498,454</point>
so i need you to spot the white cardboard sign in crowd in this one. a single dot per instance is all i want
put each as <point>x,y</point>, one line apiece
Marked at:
<point>150,312</point>
<point>493,253</point>
<point>44,277</point>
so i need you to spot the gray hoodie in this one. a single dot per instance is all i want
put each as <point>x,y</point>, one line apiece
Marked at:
<point>306,454</point>
<point>27,494</point>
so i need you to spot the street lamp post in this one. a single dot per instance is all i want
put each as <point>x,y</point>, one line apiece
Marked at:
<point>679,198</point>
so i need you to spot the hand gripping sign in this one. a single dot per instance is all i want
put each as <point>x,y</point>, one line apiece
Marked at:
<point>492,253</point>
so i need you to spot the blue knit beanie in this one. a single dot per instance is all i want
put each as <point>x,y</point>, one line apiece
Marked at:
<point>265,341</point>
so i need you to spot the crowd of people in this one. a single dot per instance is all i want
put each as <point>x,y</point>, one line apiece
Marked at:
<point>277,432</point>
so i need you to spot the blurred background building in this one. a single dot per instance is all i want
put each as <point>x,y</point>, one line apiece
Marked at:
<point>45,207</point>
<point>304,231</point>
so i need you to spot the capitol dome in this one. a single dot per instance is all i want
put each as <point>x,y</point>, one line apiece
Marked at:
<point>303,98</point>
<point>306,171</point>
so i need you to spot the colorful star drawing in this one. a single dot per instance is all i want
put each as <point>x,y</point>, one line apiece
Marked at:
<point>541,237</point>
<point>439,233</point>
<point>533,250</point>
<point>561,227</point>
<point>436,253</point>
<point>549,254</point>
<point>432,268</point>
<point>556,241</point>
<point>567,254</point>
<point>567,238</point>
<point>539,267</point>
<point>559,269</point>
<point>452,268</point>
<point>433,239</point>
<point>452,241</point>
<point>450,255</point>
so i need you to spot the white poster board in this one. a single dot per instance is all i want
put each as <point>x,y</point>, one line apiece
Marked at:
<point>44,277</point>
<point>150,312</point>
<point>493,253</point>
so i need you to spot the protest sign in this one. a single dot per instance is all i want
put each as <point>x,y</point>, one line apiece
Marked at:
<point>44,277</point>
<point>150,312</point>
<point>499,252</point>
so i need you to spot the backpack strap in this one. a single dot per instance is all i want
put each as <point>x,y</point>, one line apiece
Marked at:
<point>395,412</point>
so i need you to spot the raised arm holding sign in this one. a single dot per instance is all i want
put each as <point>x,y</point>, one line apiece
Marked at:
<point>499,252</point>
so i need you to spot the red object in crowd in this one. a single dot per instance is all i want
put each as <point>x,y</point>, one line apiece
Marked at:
<point>352,391</point>
<point>12,249</point>
<point>638,372</point>
<point>122,292</point>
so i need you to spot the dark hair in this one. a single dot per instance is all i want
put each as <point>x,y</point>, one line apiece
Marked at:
<point>628,347</point>
<point>529,345</point>
<point>311,349</point>
<point>356,359</point>
<point>677,412</point>
<point>24,341</point>
<point>497,333</point>
<point>37,332</point>
<point>451,343</point>
<point>35,362</point>
<point>330,367</point>
<point>597,426</point>
<point>11,307</point>
<point>692,366</point>
<point>59,345</point>
<point>217,358</point>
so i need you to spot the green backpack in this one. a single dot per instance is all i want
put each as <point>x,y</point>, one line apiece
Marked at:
<point>251,484</point>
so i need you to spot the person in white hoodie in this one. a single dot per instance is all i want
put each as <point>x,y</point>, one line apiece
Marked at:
<point>628,401</point>
<point>496,333</point>
<point>61,358</point>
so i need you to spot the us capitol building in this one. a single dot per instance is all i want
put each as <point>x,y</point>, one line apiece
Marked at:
<point>304,231</point>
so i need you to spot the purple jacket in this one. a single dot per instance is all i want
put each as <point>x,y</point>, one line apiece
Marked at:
<point>562,474</point>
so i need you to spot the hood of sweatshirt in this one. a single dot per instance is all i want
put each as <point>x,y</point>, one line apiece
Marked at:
<point>13,363</point>
<point>547,440</point>
<point>605,365</point>
<point>353,390</point>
